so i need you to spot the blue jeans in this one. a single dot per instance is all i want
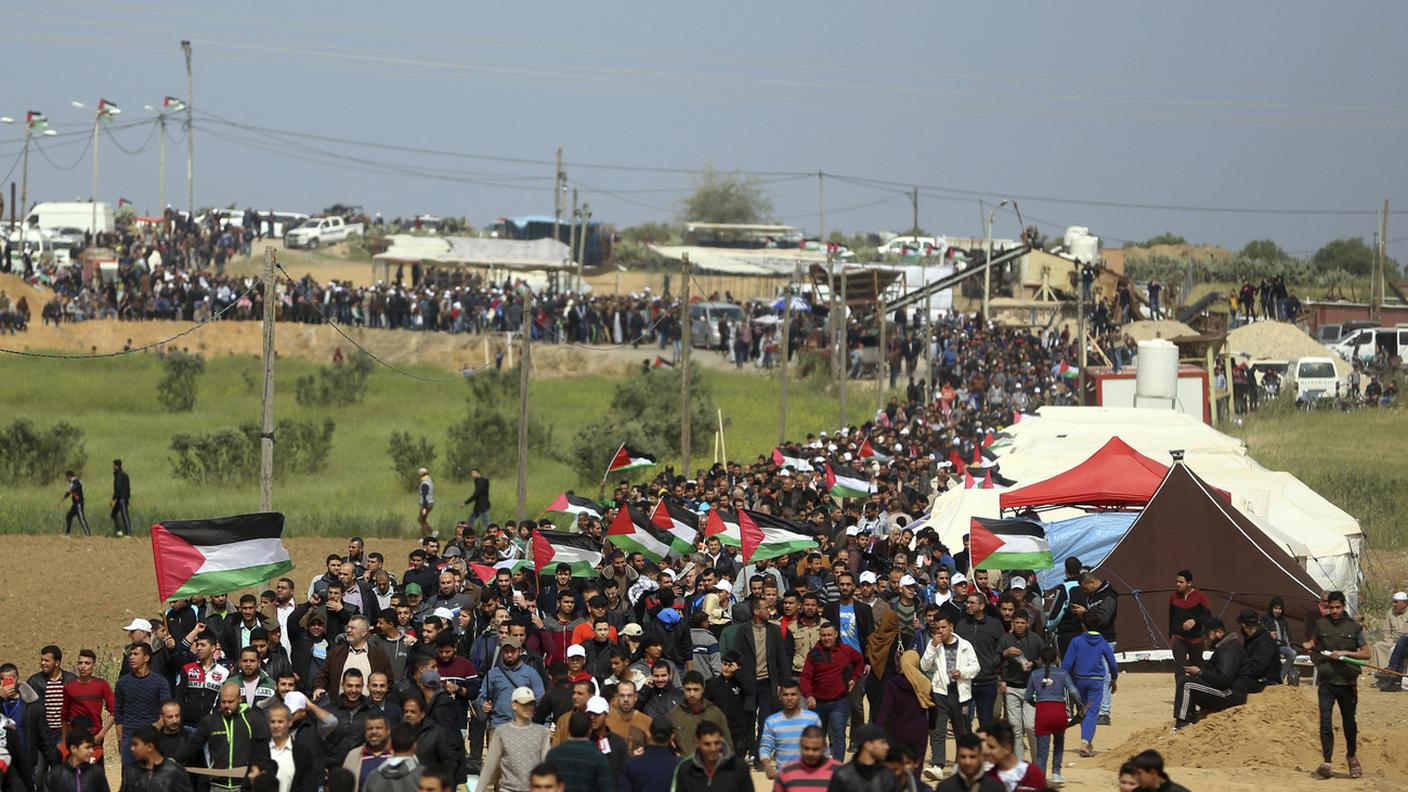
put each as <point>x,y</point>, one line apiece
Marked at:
<point>982,703</point>
<point>1105,688</point>
<point>835,715</point>
<point>1400,654</point>
<point>481,518</point>
<point>1058,752</point>
<point>1091,691</point>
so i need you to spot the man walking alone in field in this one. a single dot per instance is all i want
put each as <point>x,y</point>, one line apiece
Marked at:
<point>427,502</point>
<point>121,499</point>
<point>74,493</point>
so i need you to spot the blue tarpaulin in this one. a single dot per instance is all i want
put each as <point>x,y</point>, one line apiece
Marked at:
<point>1090,538</point>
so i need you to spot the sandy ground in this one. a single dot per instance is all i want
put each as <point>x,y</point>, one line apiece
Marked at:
<point>95,586</point>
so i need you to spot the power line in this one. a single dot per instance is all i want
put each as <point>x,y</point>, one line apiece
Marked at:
<point>151,136</point>
<point>76,162</point>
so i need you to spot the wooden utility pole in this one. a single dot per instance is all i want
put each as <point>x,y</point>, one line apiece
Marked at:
<point>883,369</point>
<point>266,425</point>
<point>525,363</point>
<point>1080,332</point>
<point>686,341</point>
<point>557,199</point>
<point>1379,287</point>
<point>845,351</point>
<point>786,348</point>
<point>582,241</point>
<point>914,201</point>
<point>191,139</point>
<point>821,206</point>
<point>572,235</point>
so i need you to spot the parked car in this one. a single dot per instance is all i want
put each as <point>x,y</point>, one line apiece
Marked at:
<point>316,231</point>
<point>1331,333</point>
<point>914,246</point>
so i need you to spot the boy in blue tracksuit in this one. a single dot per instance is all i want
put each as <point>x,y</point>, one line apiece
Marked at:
<point>1087,658</point>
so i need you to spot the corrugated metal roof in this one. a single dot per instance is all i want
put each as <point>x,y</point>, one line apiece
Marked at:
<point>760,262</point>
<point>531,254</point>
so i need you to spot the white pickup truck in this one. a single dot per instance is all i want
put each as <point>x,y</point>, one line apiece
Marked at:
<point>317,231</point>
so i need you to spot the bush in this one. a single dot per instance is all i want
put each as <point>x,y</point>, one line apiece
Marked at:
<point>231,456</point>
<point>487,436</point>
<point>645,412</point>
<point>409,454</point>
<point>338,385</point>
<point>33,456</point>
<point>177,389</point>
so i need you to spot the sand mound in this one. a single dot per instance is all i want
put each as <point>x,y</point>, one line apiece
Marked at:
<point>16,287</point>
<point>1280,341</point>
<point>1278,727</point>
<point>1145,329</point>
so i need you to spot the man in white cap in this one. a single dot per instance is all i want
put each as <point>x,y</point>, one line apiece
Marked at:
<point>515,748</point>
<point>1395,630</point>
<point>907,607</point>
<point>867,593</point>
<point>608,742</point>
<point>141,631</point>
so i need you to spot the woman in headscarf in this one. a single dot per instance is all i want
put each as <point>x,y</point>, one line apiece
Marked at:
<point>907,705</point>
<point>882,653</point>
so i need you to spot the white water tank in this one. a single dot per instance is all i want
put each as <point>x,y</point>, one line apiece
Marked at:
<point>1084,248</point>
<point>1071,233</point>
<point>1156,375</point>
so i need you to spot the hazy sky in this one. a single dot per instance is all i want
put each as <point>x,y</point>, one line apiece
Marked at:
<point>1247,105</point>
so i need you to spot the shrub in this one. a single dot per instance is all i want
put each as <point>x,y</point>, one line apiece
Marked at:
<point>645,412</point>
<point>337,385</point>
<point>34,456</point>
<point>408,454</point>
<point>487,436</point>
<point>231,456</point>
<point>177,389</point>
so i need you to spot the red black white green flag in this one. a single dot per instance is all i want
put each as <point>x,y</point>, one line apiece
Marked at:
<point>627,458</point>
<point>219,555</point>
<point>574,505</point>
<point>843,482</point>
<point>632,531</point>
<point>578,551</point>
<point>760,536</point>
<point>788,460</point>
<point>677,522</point>
<point>1008,544</point>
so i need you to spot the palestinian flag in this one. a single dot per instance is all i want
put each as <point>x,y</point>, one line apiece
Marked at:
<point>219,555</point>
<point>760,536</point>
<point>661,363</point>
<point>551,548</point>
<point>632,531</point>
<point>36,121</point>
<point>958,464</point>
<point>784,461</point>
<point>1066,370</point>
<point>627,458</point>
<point>843,482</point>
<point>679,523</point>
<point>172,105</point>
<point>968,481</point>
<point>988,439</point>
<point>1008,544</point>
<point>106,108</point>
<point>567,503</point>
<point>870,450</point>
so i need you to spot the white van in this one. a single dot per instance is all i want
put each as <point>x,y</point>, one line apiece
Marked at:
<point>1365,343</point>
<point>70,214</point>
<point>1314,378</point>
<point>705,317</point>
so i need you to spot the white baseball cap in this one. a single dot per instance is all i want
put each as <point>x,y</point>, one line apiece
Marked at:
<point>1019,583</point>
<point>908,580</point>
<point>576,650</point>
<point>444,613</point>
<point>295,701</point>
<point>524,695</point>
<point>956,579</point>
<point>139,624</point>
<point>597,705</point>
<point>723,585</point>
<point>1398,596</point>
<point>867,577</point>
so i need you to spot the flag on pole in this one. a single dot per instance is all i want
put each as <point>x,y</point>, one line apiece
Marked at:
<point>869,450</point>
<point>766,536</point>
<point>1008,544</point>
<point>218,555</point>
<point>1067,371</point>
<point>106,108</point>
<point>574,505</point>
<point>677,522</point>
<point>627,458</point>
<point>784,461</point>
<point>36,121</point>
<point>172,105</point>
<point>632,531</point>
<point>551,548</point>
<point>661,363</point>
<point>843,482</point>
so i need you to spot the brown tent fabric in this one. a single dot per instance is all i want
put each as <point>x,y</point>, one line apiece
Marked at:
<point>1189,525</point>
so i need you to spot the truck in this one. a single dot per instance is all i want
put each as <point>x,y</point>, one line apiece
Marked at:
<point>317,231</point>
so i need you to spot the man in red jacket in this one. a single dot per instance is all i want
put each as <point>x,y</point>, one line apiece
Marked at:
<point>1188,608</point>
<point>1015,774</point>
<point>829,673</point>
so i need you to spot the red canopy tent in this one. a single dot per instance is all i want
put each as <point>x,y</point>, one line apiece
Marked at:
<point>1114,477</point>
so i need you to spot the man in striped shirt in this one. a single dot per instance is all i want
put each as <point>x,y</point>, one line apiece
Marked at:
<point>811,773</point>
<point>782,731</point>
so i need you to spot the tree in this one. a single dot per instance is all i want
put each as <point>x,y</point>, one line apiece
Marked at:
<point>1166,238</point>
<point>1351,255</point>
<point>652,233</point>
<point>644,413</point>
<point>726,198</point>
<point>177,389</point>
<point>1263,249</point>
<point>485,437</point>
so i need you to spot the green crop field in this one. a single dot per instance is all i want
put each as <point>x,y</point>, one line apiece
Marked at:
<point>114,403</point>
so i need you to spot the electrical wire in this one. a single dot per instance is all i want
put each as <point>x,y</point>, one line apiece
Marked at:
<point>76,161</point>
<point>144,347</point>
<point>13,165</point>
<point>151,136</point>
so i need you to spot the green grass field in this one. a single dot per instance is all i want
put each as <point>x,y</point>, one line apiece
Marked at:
<point>114,402</point>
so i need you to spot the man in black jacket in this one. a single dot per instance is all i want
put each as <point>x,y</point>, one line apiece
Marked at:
<point>77,773</point>
<point>764,661</point>
<point>1263,656</point>
<point>121,499</point>
<point>1102,600</point>
<point>232,736</point>
<point>712,766</point>
<point>153,771</point>
<point>1221,683</point>
<point>478,501</point>
<point>985,634</point>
